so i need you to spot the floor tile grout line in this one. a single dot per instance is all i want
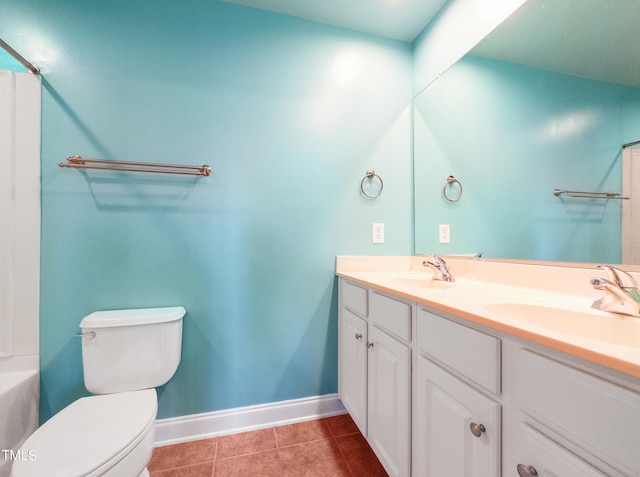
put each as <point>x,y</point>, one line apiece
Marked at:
<point>275,437</point>
<point>277,448</point>
<point>306,442</point>
<point>278,455</point>
<point>215,457</point>
<point>335,440</point>
<point>178,467</point>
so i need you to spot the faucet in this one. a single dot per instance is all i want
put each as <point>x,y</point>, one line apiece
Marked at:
<point>621,292</point>
<point>439,267</point>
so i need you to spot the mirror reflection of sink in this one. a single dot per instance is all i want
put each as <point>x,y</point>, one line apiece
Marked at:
<point>590,324</point>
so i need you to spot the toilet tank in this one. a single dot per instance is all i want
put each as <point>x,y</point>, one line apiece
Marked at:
<point>128,350</point>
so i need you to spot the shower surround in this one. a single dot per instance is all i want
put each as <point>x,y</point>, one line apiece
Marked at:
<point>20,96</point>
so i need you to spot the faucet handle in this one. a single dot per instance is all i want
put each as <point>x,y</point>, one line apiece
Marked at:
<point>430,259</point>
<point>619,277</point>
<point>615,299</point>
<point>439,266</point>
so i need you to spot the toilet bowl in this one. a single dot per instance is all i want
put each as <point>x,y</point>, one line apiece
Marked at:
<point>110,434</point>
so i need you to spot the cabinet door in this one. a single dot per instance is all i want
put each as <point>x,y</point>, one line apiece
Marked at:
<point>445,445</point>
<point>390,401</point>
<point>353,367</point>
<point>538,455</point>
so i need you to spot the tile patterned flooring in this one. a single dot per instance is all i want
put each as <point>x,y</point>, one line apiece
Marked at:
<point>329,447</point>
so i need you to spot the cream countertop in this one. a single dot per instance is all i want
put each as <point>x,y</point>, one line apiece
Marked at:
<point>547,304</point>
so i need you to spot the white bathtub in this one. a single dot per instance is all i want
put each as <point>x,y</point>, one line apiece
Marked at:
<point>19,394</point>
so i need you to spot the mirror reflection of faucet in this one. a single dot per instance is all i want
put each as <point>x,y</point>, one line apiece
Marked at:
<point>621,292</point>
<point>439,268</point>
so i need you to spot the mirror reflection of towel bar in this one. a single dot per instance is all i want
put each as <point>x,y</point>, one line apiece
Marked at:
<point>450,181</point>
<point>589,195</point>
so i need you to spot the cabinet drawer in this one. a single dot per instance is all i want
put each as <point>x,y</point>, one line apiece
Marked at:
<point>547,457</point>
<point>472,353</point>
<point>355,298</point>
<point>392,315</point>
<point>598,416</point>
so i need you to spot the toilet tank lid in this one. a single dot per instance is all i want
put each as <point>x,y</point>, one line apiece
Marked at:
<point>139,316</point>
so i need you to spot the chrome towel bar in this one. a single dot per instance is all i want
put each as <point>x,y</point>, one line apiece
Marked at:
<point>77,162</point>
<point>589,195</point>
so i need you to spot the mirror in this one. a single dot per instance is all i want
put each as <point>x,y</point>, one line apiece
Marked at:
<point>544,102</point>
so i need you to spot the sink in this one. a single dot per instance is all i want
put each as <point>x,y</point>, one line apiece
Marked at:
<point>589,324</point>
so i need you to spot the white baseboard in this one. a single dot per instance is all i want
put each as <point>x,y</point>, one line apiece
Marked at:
<point>211,424</point>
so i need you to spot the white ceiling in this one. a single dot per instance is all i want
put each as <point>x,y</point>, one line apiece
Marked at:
<point>397,19</point>
<point>590,38</point>
<point>595,39</point>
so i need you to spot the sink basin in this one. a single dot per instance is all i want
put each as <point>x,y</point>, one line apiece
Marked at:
<point>589,324</point>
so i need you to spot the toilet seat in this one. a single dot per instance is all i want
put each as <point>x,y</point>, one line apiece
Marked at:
<point>89,436</point>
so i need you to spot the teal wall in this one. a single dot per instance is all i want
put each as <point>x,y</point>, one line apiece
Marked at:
<point>7,62</point>
<point>288,113</point>
<point>512,134</point>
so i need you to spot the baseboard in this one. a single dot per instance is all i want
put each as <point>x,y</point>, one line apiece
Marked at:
<point>211,424</point>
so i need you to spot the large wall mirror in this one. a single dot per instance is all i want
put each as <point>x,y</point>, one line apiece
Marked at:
<point>545,102</point>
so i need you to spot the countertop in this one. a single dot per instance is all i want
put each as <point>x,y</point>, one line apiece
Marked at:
<point>545,304</point>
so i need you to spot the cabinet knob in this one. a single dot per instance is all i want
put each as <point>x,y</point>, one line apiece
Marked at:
<point>477,429</point>
<point>369,344</point>
<point>526,471</point>
<point>358,336</point>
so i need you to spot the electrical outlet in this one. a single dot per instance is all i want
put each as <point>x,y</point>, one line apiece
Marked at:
<point>445,233</point>
<point>377,233</point>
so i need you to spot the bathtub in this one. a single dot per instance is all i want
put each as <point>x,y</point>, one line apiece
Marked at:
<point>19,394</point>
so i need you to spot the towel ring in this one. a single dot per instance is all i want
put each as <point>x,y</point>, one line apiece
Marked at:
<point>371,174</point>
<point>450,181</point>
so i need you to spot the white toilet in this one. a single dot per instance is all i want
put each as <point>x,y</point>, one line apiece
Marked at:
<point>125,355</point>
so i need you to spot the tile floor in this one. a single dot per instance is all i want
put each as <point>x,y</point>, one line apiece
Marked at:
<point>329,447</point>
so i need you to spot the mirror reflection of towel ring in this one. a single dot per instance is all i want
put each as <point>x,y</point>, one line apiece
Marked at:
<point>371,174</point>
<point>450,181</point>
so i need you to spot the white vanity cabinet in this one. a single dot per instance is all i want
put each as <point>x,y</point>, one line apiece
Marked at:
<point>568,419</point>
<point>457,426</point>
<point>438,395</point>
<point>375,371</point>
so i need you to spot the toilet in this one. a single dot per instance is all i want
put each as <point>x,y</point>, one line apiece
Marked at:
<point>126,354</point>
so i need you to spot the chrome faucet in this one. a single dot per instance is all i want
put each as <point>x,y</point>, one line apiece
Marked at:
<point>439,267</point>
<point>621,292</point>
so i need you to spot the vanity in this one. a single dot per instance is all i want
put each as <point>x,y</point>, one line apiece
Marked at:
<point>508,371</point>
